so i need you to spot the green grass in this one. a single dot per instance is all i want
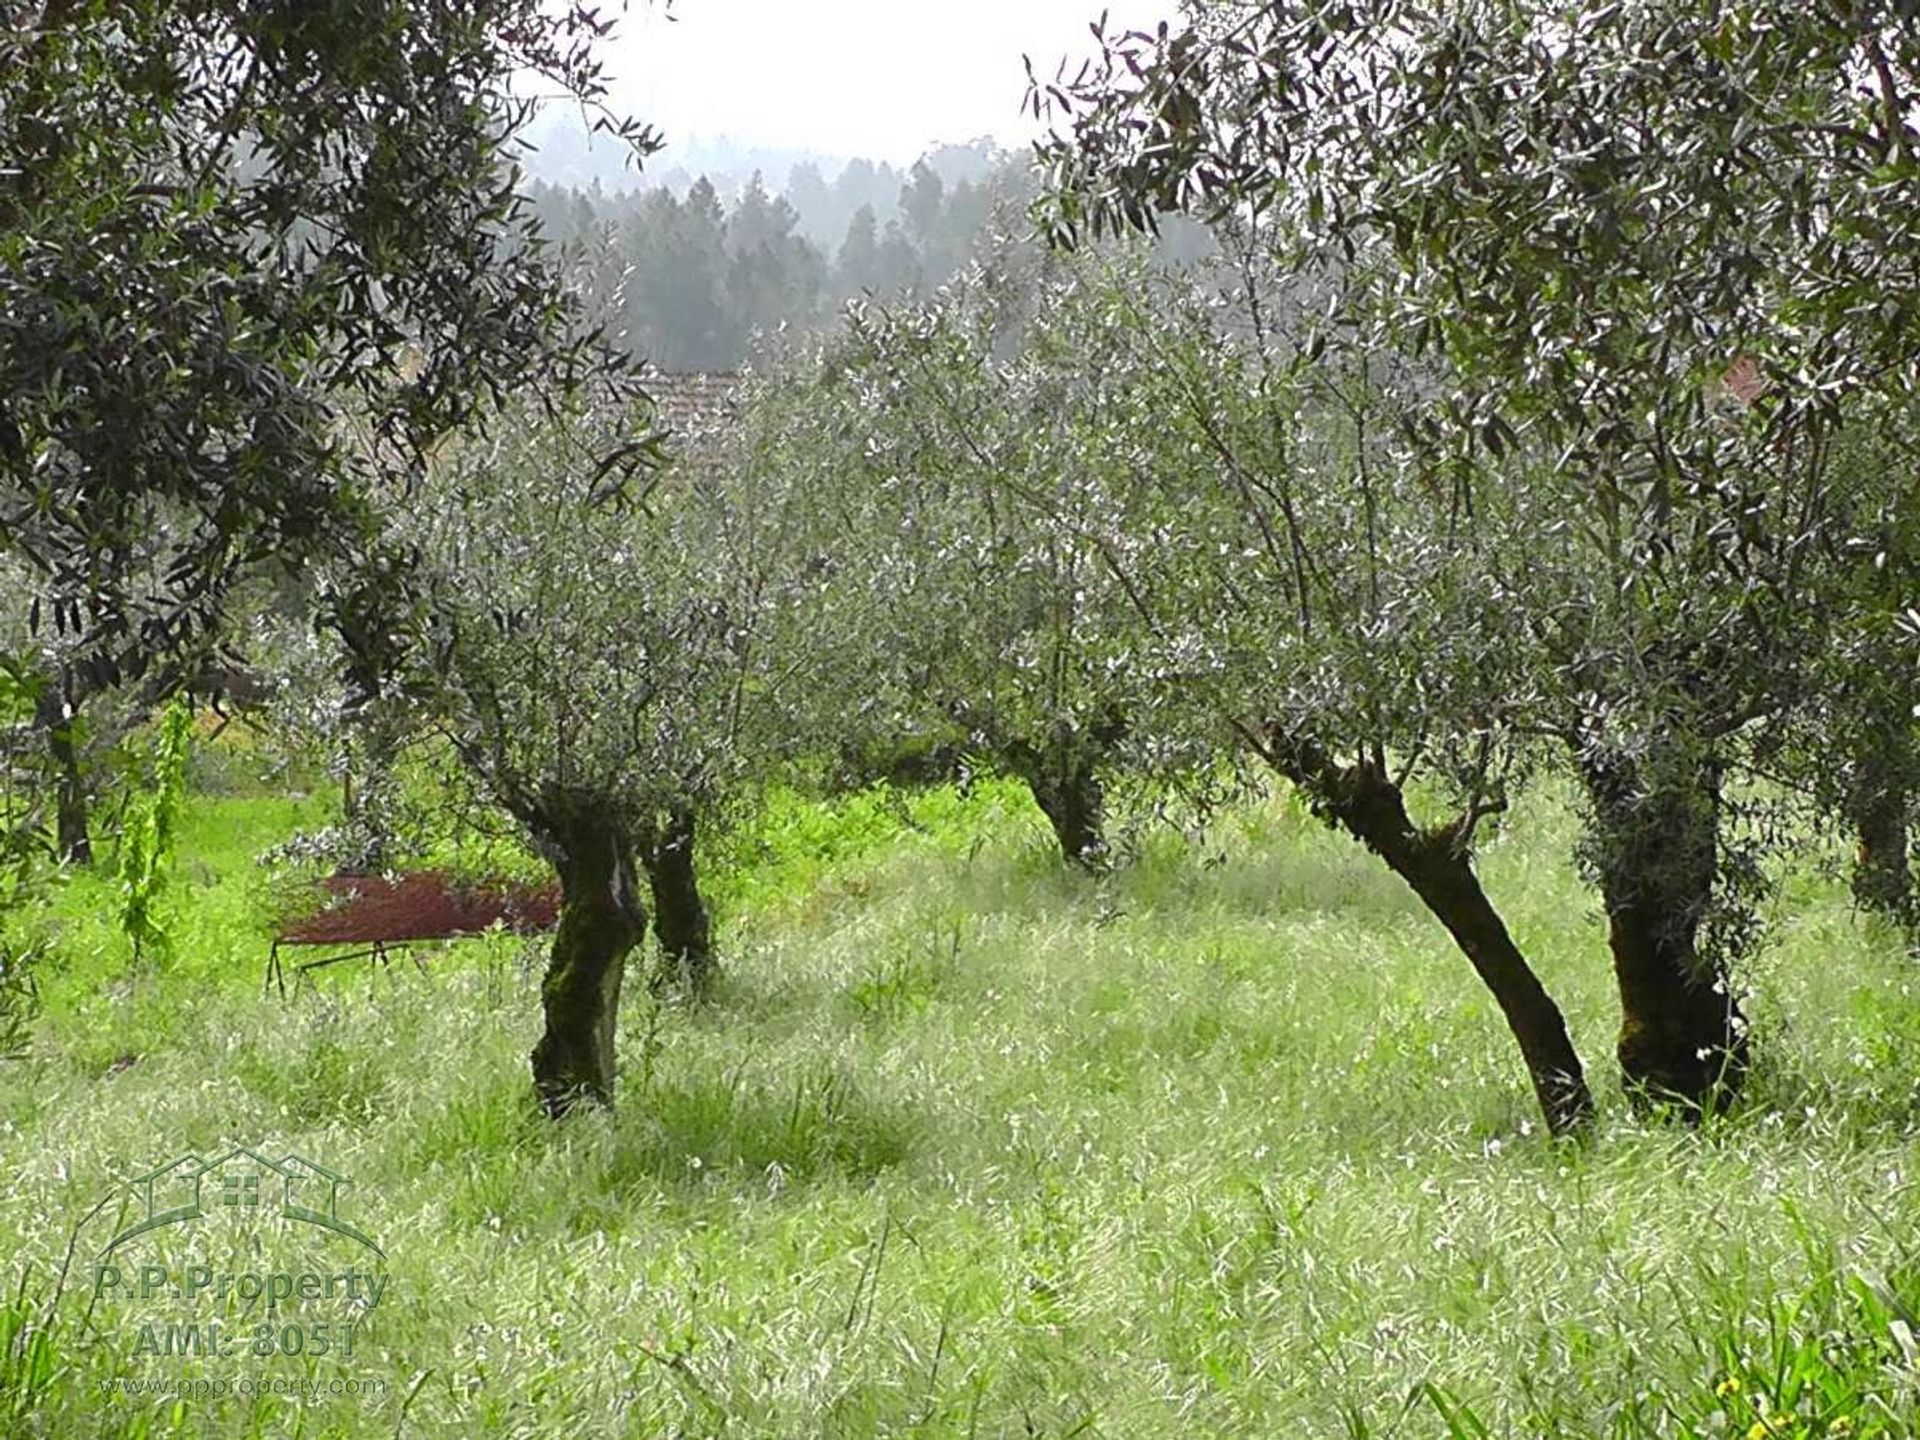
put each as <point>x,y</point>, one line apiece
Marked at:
<point>969,1146</point>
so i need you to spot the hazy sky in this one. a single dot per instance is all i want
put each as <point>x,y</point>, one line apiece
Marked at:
<point>881,78</point>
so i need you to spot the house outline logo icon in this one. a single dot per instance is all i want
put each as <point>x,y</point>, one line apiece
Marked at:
<point>242,1188</point>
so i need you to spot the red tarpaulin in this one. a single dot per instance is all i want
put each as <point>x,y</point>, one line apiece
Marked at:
<point>424,905</point>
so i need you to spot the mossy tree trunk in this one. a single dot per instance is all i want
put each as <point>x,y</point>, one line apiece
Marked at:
<point>1437,863</point>
<point>680,919</point>
<point>1683,1040</point>
<point>601,920</point>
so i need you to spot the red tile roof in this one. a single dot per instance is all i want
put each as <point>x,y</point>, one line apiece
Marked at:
<point>689,402</point>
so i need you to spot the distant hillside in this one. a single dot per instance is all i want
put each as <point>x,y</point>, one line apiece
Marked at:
<point>564,153</point>
<point>687,267</point>
<point>825,189</point>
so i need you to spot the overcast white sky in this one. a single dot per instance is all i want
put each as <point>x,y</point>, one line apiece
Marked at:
<point>881,78</point>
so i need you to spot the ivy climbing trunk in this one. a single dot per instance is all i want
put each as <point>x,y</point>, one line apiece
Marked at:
<point>1437,865</point>
<point>680,918</point>
<point>601,920</point>
<point>1683,1039</point>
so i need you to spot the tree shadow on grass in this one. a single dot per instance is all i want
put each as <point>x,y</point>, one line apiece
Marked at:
<point>698,1140</point>
<point>774,1132</point>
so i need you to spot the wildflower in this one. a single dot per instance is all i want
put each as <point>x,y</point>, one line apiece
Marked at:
<point>1728,1386</point>
<point>1770,1426</point>
<point>1840,1425</point>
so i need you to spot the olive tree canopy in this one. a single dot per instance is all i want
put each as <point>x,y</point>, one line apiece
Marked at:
<point>226,227</point>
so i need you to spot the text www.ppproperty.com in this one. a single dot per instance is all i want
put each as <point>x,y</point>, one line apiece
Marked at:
<point>202,1389</point>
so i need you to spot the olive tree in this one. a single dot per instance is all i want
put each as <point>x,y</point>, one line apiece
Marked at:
<point>978,619</point>
<point>605,662</point>
<point>1306,591</point>
<point>1648,257</point>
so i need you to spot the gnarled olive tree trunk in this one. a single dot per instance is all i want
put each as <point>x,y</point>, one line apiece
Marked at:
<point>680,917</point>
<point>1656,849</point>
<point>1437,864</point>
<point>601,920</point>
<point>1074,802</point>
<point>1063,776</point>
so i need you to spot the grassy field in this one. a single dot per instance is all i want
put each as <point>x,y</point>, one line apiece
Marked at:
<point>1228,1143</point>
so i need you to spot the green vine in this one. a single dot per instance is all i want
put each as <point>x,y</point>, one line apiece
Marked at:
<point>147,837</point>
